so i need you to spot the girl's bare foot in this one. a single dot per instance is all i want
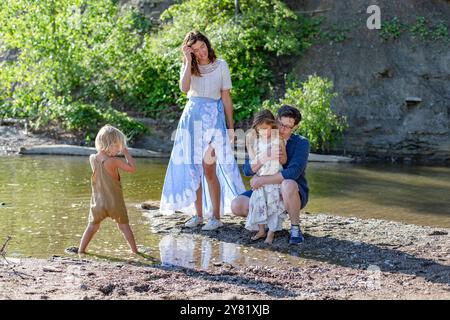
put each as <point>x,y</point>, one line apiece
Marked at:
<point>269,238</point>
<point>259,235</point>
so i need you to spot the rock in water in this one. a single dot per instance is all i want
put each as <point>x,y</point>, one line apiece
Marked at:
<point>71,250</point>
<point>150,205</point>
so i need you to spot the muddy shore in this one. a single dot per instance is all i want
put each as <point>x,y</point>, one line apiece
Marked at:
<point>342,258</point>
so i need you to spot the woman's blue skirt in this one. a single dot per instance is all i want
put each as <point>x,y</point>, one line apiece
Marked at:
<point>202,123</point>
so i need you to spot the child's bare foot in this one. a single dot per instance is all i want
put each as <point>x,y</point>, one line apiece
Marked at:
<point>259,235</point>
<point>269,238</point>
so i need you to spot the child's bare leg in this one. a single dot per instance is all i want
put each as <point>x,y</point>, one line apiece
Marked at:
<point>270,236</point>
<point>91,229</point>
<point>261,233</point>
<point>128,235</point>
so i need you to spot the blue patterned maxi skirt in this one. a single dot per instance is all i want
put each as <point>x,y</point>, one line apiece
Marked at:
<point>202,123</point>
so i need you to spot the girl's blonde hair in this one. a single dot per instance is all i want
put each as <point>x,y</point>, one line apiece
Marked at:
<point>108,137</point>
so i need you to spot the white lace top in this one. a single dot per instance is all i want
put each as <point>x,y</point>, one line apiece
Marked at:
<point>215,77</point>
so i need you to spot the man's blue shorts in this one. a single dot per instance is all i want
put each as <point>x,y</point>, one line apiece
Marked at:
<point>303,196</point>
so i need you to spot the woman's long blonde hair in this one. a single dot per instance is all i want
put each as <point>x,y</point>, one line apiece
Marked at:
<point>108,137</point>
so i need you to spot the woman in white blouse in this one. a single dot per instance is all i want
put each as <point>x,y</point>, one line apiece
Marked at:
<point>202,177</point>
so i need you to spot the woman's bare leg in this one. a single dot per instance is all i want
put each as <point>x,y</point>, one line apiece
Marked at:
<point>199,202</point>
<point>209,169</point>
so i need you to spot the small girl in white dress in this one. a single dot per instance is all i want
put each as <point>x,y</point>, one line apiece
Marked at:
<point>266,206</point>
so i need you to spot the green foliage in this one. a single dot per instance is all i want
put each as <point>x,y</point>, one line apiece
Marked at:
<point>338,33</point>
<point>391,29</point>
<point>420,28</point>
<point>77,58</point>
<point>319,124</point>
<point>88,118</point>
<point>264,30</point>
<point>71,53</point>
<point>440,32</point>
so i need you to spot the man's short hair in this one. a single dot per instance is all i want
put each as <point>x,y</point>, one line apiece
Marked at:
<point>290,112</point>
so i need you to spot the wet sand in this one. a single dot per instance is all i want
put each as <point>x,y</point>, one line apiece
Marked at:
<point>342,258</point>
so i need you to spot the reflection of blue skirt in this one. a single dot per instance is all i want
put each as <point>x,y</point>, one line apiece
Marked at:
<point>202,123</point>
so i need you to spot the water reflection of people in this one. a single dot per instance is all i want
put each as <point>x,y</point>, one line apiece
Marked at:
<point>177,251</point>
<point>186,251</point>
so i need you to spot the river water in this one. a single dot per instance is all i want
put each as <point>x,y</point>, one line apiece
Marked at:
<point>44,203</point>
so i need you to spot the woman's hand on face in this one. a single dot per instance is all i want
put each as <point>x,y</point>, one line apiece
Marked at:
<point>187,51</point>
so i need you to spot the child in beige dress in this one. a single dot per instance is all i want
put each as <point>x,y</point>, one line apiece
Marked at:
<point>266,207</point>
<point>107,197</point>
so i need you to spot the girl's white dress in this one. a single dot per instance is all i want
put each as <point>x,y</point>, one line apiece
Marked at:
<point>266,204</point>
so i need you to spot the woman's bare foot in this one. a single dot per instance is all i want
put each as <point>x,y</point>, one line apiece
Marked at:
<point>270,236</point>
<point>259,235</point>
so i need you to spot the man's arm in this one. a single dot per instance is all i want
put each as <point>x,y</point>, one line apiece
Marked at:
<point>297,164</point>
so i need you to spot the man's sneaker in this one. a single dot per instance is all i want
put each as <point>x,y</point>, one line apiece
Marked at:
<point>194,222</point>
<point>296,236</point>
<point>212,224</point>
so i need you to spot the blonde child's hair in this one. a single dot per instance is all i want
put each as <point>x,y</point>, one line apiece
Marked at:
<point>108,137</point>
